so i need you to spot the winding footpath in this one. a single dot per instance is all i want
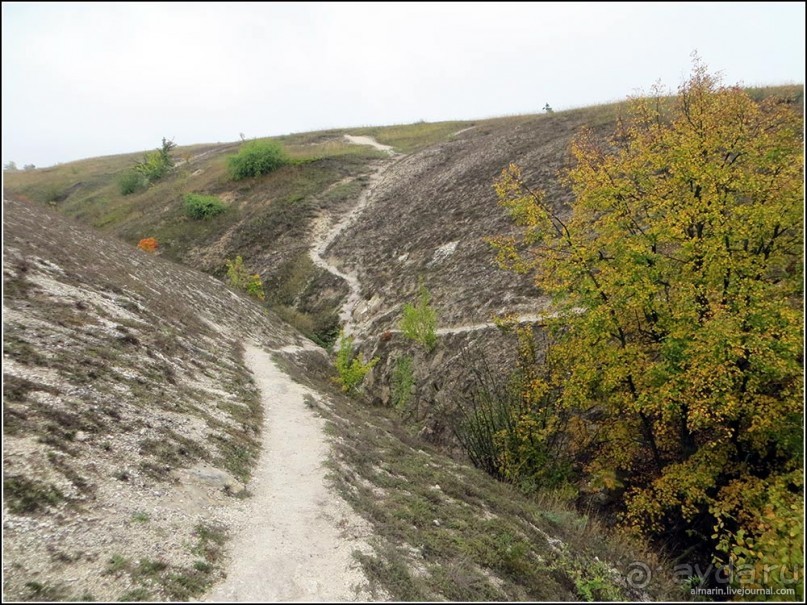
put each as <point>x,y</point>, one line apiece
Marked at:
<point>296,536</point>
<point>325,235</point>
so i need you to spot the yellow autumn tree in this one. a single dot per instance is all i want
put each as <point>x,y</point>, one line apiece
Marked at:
<point>677,277</point>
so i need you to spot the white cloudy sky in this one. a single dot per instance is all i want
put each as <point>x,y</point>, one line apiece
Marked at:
<point>81,80</point>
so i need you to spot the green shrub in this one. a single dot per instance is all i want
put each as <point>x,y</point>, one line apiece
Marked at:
<point>256,158</point>
<point>350,368</point>
<point>132,182</point>
<point>244,280</point>
<point>198,206</point>
<point>403,382</point>
<point>157,163</point>
<point>154,165</point>
<point>420,320</point>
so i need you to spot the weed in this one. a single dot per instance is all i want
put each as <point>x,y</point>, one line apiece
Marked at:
<point>594,582</point>
<point>241,278</point>
<point>202,566</point>
<point>187,584</point>
<point>351,369</point>
<point>131,182</point>
<point>210,540</point>
<point>141,517</point>
<point>20,350</point>
<point>237,454</point>
<point>419,320</point>
<point>391,572</point>
<point>86,597</point>
<point>16,388</point>
<point>173,450</point>
<point>150,567</point>
<point>402,383</point>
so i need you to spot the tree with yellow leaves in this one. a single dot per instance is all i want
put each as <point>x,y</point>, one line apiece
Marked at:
<point>677,277</point>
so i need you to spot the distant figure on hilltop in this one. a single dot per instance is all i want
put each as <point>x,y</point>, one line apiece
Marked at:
<point>548,109</point>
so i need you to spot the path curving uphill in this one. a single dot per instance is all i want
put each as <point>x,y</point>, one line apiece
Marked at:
<point>325,234</point>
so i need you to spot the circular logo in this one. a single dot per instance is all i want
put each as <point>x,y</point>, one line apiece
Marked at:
<point>638,575</point>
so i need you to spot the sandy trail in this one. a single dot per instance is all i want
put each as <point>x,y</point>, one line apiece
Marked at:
<point>362,140</point>
<point>296,536</point>
<point>325,235</point>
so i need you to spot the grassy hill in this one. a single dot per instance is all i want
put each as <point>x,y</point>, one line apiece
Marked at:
<point>430,210</point>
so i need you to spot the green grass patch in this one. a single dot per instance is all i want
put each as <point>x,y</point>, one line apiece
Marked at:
<point>141,517</point>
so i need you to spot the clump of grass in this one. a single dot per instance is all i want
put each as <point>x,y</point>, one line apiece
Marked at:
<point>187,584</point>
<point>244,280</point>
<point>211,538</point>
<point>150,567</point>
<point>131,182</point>
<point>16,388</point>
<point>173,450</point>
<point>26,496</point>
<point>202,566</point>
<point>141,517</point>
<point>116,564</point>
<point>46,592</point>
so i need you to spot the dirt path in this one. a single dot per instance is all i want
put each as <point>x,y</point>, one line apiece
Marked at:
<point>361,140</point>
<point>325,235</point>
<point>461,329</point>
<point>296,536</point>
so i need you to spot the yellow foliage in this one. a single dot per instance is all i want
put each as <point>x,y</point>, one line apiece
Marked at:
<point>677,278</point>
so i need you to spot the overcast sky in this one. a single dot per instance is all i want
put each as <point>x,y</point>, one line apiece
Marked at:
<point>82,80</point>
